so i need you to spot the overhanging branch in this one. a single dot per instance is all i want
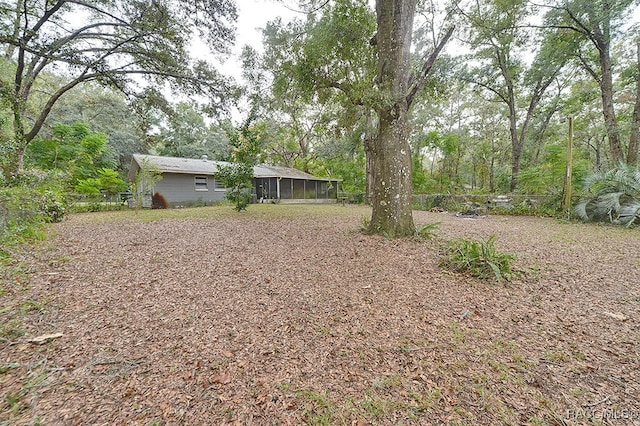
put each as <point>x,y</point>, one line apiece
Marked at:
<point>86,77</point>
<point>421,79</point>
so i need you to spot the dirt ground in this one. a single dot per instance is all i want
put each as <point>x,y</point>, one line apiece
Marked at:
<point>288,315</point>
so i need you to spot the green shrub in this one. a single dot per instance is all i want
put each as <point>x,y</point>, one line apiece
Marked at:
<point>94,206</point>
<point>24,210</point>
<point>52,206</point>
<point>480,259</point>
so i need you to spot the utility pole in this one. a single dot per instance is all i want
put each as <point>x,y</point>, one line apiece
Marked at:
<point>566,199</point>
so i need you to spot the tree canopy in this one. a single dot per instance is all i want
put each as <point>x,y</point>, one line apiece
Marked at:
<point>403,97</point>
<point>133,46</point>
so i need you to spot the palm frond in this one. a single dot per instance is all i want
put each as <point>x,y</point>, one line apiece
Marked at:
<point>615,196</point>
<point>622,179</point>
<point>629,214</point>
<point>581,210</point>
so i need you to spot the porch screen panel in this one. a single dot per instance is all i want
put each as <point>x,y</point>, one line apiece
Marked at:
<point>273,188</point>
<point>298,189</point>
<point>310,190</point>
<point>332,191</point>
<point>286,188</point>
<point>262,188</point>
<point>322,190</point>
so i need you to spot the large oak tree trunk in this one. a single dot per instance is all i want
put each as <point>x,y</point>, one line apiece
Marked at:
<point>392,213</point>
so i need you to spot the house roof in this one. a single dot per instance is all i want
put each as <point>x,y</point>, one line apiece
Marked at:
<point>265,171</point>
<point>175,164</point>
<point>210,167</point>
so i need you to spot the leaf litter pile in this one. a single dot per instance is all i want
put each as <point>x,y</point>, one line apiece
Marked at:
<point>290,315</point>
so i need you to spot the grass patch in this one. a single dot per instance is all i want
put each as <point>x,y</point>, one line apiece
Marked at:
<point>389,382</point>
<point>374,406</point>
<point>16,399</point>
<point>8,366</point>
<point>318,410</point>
<point>527,210</point>
<point>31,306</point>
<point>423,402</point>
<point>11,330</point>
<point>557,356</point>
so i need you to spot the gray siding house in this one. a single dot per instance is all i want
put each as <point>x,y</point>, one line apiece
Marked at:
<point>187,180</point>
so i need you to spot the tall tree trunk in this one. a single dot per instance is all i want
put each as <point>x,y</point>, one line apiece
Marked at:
<point>597,150</point>
<point>634,139</point>
<point>516,145</point>
<point>492,186</point>
<point>510,100</point>
<point>599,144</point>
<point>392,213</point>
<point>610,122</point>
<point>606,91</point>
<point>596,28</point>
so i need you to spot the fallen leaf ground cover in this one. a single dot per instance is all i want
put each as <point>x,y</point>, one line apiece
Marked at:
<point>290,315</point>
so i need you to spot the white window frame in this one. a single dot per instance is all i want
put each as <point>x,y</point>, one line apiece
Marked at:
<point>198,183</point>
<point>218,186</point>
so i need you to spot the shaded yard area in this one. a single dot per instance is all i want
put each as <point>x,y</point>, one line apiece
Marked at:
<point>289,315</point>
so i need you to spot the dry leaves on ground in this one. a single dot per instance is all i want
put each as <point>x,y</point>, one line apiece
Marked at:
<point>289,315</point>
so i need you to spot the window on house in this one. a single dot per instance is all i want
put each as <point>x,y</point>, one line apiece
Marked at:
<point>201,183</point>
<point>218,186</point>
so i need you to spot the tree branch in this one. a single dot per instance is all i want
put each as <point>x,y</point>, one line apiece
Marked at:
<point>420,81</point>
<point>493,90</point>
<point>31,32</point>
<point>588,68</point>
<point>52,100</point>
<point>41,60</point>
<point>100,11</point>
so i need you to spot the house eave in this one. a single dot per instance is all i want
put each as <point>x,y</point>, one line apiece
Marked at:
<point>192,166</point>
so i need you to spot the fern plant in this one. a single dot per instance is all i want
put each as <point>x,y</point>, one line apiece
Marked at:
<point>481,259</point>
<point>615,197</point>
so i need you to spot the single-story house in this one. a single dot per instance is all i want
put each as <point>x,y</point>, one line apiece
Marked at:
<point>186,180</point>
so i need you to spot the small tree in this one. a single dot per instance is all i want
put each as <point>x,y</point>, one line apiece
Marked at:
<point>146,179</point>
<point>110,182</point>
<point>238,176</point>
